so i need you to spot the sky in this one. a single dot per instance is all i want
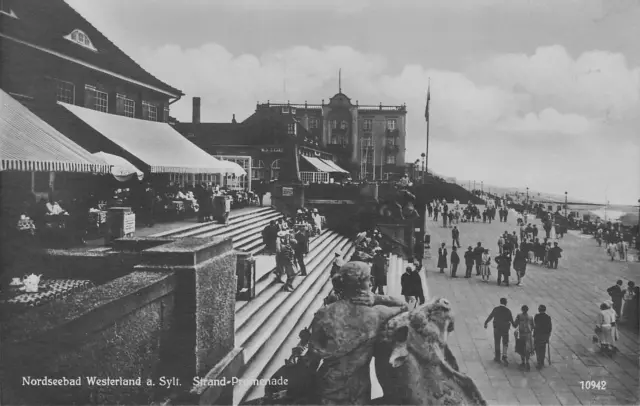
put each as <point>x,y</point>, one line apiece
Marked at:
<point>537,93</point>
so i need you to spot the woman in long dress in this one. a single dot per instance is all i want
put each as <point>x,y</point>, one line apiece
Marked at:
<point>442,258</point>
<point>524,326</point>
<point>485,266</point>
<point>604,328</point>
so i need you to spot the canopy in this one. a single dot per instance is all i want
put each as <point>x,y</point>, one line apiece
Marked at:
<point>236,169</point>
<point>318,164</point>
<point>120,167</point>
<point>156,144</point>
<point>27,143</point>
<point>333,165</point>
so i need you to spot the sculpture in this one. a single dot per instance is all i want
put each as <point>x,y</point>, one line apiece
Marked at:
<point>415,366</point>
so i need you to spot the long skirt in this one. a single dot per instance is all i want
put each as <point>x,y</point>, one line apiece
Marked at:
<point>606,335</point>
<point>524,345</point>
<point>442,262</point>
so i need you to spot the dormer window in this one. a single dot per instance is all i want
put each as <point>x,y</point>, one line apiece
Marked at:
<point>81,39</point>
<point>285,110</point>
<point>293,110</point>
<point>291,128</point>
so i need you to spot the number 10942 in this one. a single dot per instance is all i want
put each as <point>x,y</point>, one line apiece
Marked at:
<point>590,385</point>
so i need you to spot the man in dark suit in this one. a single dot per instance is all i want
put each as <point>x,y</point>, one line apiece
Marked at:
<point>554,255</point>
<point>617,293</point>
<point>478,251</point>
<point>502,322</point>
<point>300,250</point>
<point>469,258</point>
<point>541,334</point>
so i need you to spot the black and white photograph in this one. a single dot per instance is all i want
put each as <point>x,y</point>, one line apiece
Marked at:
<point>319,202</point>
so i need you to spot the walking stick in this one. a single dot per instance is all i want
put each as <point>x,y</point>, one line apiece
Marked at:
<point>549,352</point>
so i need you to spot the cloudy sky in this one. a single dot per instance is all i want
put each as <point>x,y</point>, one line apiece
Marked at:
<point>538,93</point>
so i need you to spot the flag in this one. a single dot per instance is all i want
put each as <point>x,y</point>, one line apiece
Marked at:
<point>426,109</point>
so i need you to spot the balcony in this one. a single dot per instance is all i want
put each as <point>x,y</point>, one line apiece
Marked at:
<point>392,148</point>
<point>393,132</point>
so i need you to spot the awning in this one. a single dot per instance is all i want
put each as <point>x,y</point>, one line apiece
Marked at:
<point>120,167</point>
<point>156,144</point>
<point>318,164</point>
<point>333,165</point>
<point>236,169</point>
<point>27,143</point>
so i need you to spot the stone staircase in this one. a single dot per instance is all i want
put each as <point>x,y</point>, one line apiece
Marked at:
<point>245,229</point>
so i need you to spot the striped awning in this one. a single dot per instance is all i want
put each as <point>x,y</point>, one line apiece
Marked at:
<point>27,144</point>
<point>318,164</point>
<point>334,166</point>
<point>156,144</point>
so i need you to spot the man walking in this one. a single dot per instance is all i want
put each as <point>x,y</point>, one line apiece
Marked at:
<point>504,268</point>
<point>301,249</point>
<point>541,334</point>
<point>502,322</point>
<point>469,257</point>
<point>617,293</point>
<point>379,272</point>
<point>478,251</point>
<point>555,254</point>
<point>455,236</point>
<point>455,261</point>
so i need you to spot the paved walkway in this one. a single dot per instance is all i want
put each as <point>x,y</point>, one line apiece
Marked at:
<point>572,294</point>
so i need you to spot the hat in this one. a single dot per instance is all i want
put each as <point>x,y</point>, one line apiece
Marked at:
<point>315,210</point>
<point>282,234</point>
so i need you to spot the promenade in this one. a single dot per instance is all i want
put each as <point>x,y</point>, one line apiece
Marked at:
<point>572,294</point>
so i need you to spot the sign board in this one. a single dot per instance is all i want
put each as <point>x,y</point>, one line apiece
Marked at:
<point>129,223</point>
<point>287,191</point>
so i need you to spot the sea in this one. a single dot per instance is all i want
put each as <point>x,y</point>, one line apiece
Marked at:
<point>612,212</point>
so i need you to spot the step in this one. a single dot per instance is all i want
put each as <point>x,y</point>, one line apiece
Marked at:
<point>284,337</point>
<point>267,287</point>
<point>284,350</point>
<point>254,327</point>
<point>250,318</point>
<point>233,217</point>
<point>221,229</point>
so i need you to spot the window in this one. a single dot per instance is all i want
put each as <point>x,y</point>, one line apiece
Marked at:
<point>367,125</point>
<point>391,141</point>
<point>334,139</point>
<point>65,91</point>
<point>334,124</point>
<point>149,111</point>
<point>125,106</point>
<point>369,157</point>
<point>293,110</point>
<point>285,110</point>
<point>391,159</point>
<point>313,123</point>
<point>275,169</point>
<point>343,125</point>
<point>165,115</point>
<point>80,38</point>
<point>95,99</point>
<point>291,128</point>
<point>391,124</point>
<point>367,142</point>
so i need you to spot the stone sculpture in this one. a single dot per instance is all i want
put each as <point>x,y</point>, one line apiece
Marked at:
<point>415,366</point>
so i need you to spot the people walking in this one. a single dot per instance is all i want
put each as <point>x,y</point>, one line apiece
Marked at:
<point>555,253</point>
<point>379,272</point>
<point>524,325</point>
<point>300,250</point>
<point>469,259</point>
<point>617,294</point>
<point>504,268</point>
<point>604,328</point>
<point>455,261</point>
<point>520,265</point>
<point>455,236</point>
<point>442,258</point>
<point>478,251</point>
<point>502,322</point>
<point>541,334</point>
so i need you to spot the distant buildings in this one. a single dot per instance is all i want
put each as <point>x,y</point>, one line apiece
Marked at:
<point>367,141</point>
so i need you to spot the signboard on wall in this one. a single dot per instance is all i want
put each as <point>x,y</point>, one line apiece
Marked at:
<point>287,191</point>
<point>129,223</point>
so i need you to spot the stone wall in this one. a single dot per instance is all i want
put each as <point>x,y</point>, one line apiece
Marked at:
<point>168,321</point>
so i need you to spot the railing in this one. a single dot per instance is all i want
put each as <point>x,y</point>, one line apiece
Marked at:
<point>319,106</point>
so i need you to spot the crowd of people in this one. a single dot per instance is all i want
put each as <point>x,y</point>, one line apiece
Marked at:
<point>288,238</point>
<point>621,309</point>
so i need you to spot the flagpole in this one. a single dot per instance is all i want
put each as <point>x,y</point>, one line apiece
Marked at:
<point>428,117</point>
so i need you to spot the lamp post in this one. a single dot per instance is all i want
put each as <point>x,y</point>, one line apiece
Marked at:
<point>482,186</point>
<point>424,173</point>
<point>638,219</point>
<point>527,195</point>
<point>565,204</point>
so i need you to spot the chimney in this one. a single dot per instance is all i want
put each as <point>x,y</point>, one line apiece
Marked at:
<point>233,120</point>
<point>196,110</point>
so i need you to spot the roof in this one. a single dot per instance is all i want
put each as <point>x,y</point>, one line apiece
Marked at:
<point>27,143</point>
<point>319,164</point>
<point>156,144</point>
<point>45,23</point>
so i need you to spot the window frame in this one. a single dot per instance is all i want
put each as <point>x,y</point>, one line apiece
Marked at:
<point>313,123</point>
<point>366,141</point>
<point>366,127</point>
<point>74,36</point>
<point>390,157</point>
<point>334,124</point>
<point>60,82</point>
<point>125,99</point>
<point>344,125</point>
<point>97,99</point>
<point>293,110</point>
<point>149,105</point>
<point>394,122</point>
<point>291,128</point>
<point>285,110</point>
